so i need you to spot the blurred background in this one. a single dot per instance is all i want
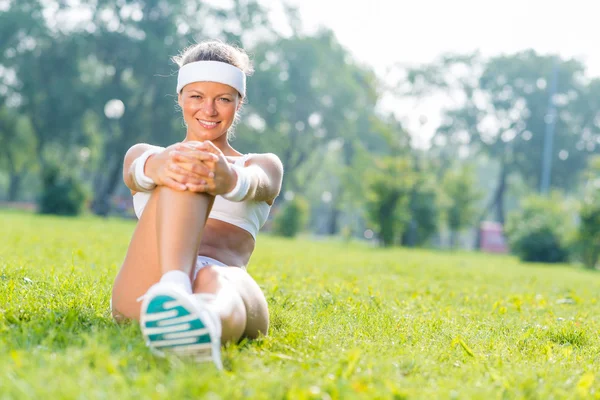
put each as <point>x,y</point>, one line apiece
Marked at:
<point>467,125</point>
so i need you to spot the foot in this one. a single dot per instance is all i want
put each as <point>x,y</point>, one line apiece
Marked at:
<point>180,323</point>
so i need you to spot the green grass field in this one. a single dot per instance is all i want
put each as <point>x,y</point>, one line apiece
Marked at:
<point>348,321</point>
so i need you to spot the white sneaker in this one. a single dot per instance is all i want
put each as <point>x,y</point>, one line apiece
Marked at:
<point>180,323</point>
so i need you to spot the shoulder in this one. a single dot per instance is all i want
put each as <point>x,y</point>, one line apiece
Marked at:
<point>137,149</point>
<point>268,162</point>
<point>264,159</point>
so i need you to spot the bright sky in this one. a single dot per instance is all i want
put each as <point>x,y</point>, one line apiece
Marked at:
<point>384,32</point>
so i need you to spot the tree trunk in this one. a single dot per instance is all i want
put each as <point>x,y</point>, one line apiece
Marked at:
<point>387,211</point>
<point>333,227</point>
<point>409,238</point>
<point>15,177</point>
<point>101,203</point>
<point>114,151</point>
<point>453,236</point>
<point>14,186</point>
<point>39,147</point>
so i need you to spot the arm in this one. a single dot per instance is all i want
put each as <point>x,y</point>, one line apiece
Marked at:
<point>266,175</point>
<point>134,152</point>
<point>259,180</point>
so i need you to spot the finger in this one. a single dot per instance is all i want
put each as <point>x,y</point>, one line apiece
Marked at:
<point>194,155</point>
<point>183,170</point>
<point>169,182</point>
<point>210,147</point>
<point>201,169</point>
<point>196,188</point>
<point>197,168</point>
<point>186,178</point>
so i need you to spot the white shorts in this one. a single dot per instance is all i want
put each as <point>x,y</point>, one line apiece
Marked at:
<point>203,261</point>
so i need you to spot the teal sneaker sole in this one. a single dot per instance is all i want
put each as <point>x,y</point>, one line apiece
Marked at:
<point>170,324</point>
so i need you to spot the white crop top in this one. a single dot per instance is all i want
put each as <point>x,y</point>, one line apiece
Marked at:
<point>249,215</point>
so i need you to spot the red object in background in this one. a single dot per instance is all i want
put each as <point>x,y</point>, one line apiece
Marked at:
<point>492,238</point>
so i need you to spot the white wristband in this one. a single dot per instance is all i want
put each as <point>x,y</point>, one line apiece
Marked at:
<point>141,179</point>
<point>241,187</point>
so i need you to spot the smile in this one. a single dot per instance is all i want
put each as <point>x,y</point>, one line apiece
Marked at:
<point>208,124</point>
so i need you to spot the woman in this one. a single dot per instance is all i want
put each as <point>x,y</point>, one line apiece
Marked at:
<point>200,204</point>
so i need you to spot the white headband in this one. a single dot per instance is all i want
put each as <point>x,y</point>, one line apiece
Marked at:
<point>212,71</point>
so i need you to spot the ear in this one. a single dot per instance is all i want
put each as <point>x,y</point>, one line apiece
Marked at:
<point>240,102</point>
<point>179,101</point>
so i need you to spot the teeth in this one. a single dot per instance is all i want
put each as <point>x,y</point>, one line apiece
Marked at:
<point>208,123</point>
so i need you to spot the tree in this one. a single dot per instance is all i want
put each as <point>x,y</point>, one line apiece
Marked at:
<point>46,58</point>
<point>15,159</point>
<point>541,230</point>
<point>392,179</point>
<point>310,93</point>
<point>388,178</point>
<point>41,85</point>
<point>500,108</point>
<point>588,234</point>
<point>460,200</point>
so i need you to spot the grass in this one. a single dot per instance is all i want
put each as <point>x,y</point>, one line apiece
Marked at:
<point>348,321</point>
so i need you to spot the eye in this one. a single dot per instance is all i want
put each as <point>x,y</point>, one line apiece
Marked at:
<point>196,96</point>
<point>225,99</point>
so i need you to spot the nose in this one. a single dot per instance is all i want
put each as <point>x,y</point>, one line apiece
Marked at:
<point>209,108</point>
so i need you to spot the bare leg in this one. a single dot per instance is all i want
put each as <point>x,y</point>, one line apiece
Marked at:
<point>141,267</point>
<point>180,220</point>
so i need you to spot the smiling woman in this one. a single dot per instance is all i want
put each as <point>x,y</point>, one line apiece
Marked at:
<point>200,205</point>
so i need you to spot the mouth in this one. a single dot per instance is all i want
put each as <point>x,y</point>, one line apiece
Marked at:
<point>208,124</point>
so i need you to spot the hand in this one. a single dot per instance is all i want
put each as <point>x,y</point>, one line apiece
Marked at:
<point>169,169</point>
<point>208,162</point>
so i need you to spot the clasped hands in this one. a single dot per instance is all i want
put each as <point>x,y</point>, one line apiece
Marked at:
<point>198,167</point>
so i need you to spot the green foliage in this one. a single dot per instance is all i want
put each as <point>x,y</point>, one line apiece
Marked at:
<point>541,231</point>
<point>347,322</point>
<point>390,183</point>
<point>506,102</point>
<point>503,112</point>
<point>424,212</point>
<point>589,231</point>
<point>460,198</point>
<point>292,217</point>
<point>62,193</point>
<point>308,91</point>
<point>588,235</point>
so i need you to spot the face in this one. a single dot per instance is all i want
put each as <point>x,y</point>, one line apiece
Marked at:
<point>208,109</point>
